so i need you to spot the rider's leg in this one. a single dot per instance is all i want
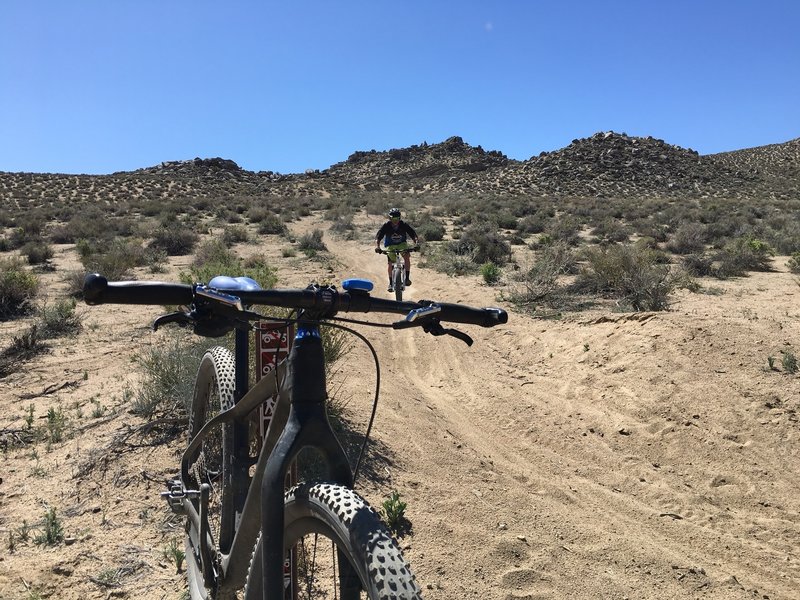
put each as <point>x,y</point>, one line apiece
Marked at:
<point>407,260</point>
<point>391,283</point>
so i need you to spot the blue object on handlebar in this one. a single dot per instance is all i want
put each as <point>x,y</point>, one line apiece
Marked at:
<point>234,284</point>
<point>357,285</point>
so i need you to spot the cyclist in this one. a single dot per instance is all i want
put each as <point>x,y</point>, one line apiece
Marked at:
<point>395,233</point>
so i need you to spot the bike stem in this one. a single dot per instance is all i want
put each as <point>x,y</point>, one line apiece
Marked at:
<point>307,426</point>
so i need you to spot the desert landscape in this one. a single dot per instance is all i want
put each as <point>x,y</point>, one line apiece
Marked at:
<point>633,440</point>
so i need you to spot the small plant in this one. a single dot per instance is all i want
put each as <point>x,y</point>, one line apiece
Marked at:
<point>393,510</point>
<point>59,319</point>
<point>29,417</point>
<point>771,363</point>
<point>490,273</point>
<point>789,362</point>
<point>794,263</point>
<point>53,532</point>
<point>174,553</point>
<point>18,288</point>
<point>56,424</point>
<point>12,544</point>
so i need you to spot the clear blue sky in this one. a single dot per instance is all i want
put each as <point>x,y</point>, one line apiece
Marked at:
<point>99,86</point>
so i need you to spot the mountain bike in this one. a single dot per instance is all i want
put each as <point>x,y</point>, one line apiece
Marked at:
<point>398,271</point>
<point>244,529</point>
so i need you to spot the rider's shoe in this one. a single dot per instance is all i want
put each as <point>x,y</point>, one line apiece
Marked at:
<point>408,281</point>
<point>391,288</point>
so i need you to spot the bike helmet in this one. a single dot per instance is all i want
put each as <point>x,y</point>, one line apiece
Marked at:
<point>394,212</point>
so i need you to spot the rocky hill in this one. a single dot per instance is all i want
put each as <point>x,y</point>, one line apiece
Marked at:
<point>607,164</point>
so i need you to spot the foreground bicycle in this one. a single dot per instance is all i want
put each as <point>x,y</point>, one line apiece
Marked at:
<point>398,270</point>
<point>243,530</point>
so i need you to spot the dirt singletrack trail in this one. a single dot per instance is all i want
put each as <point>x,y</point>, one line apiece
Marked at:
<point>600,455</point>
<point>597,455</point>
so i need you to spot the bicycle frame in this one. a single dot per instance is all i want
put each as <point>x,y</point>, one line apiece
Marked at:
<point>299,421</point>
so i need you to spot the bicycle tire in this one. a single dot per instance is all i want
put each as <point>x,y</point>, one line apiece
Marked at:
<point>399,284</point>
<point>214,393</point>
<point>340,514</point>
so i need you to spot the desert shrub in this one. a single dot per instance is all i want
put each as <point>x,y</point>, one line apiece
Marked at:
<point>59,319</point>
<point>343,226</point>
<point>37,251</point>
<point>450,259</point>
<point>564,229</point>
<point>175,238</point>
<point>490,273</point>
<point>312,242</point>
<point>430,229</point>
<point>22,348</point>
<point>689,238</point>
<point>483,243</point>
<point>168,370</point>
<point>698,265</point>
<point>794,263</point>
<point>5,245</point>
<point>610,230</point>
<point>742,255</point>
<point>532,223</point>
<point>214,258</point>
<point>272,224</point>
<point>540,282</point>
<point>89,225</point>
<point>115,260</point>
<point>629,273</point>
<point>18,288</point>
<point>234,234</point>
<point>505,220</point>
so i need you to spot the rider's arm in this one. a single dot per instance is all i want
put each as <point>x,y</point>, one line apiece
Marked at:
<point>380,235</point>
<point>412,233</point>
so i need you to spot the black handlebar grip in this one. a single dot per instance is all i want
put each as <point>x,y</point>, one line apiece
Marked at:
<point>98,290</point>
<point>485,317</point>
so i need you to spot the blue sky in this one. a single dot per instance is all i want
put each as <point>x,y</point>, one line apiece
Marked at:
<point>102,86</point>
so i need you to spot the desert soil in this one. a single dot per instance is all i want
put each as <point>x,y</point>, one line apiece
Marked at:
<point>598,455</point>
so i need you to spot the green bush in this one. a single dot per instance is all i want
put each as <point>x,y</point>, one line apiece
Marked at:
<point>235,234</point>
<point>272,224</point>
<point>214,258</point>
<point>689,238</point>
<point>18,288</point>
<point>430,229</point>
<point>742,255</point>
<point>483,243</point>
<point>794,263</point>
<point>490,273</point>
<point>629,273</point>
<point>168,371</point>
<point>59,319</point>
<point>37,252</point>
<point>176,239</point>
<point>540,283</point>
<point>115,260</point>
<point>312,242</point>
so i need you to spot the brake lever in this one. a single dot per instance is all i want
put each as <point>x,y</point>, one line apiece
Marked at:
<point>435,328</point>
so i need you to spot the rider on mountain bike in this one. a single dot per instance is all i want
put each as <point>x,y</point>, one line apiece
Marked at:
<point>394,234</point>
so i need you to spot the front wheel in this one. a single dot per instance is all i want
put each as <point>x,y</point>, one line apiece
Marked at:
<point>213,393</point>
<point>341,547</point>
<point>399,284</point>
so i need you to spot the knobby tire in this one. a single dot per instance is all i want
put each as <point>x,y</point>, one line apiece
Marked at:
<point>214,393</point>
<point>377,569</point>
<point>399,284</point>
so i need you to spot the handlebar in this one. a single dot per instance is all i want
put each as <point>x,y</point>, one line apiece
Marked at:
<point>322,301</point>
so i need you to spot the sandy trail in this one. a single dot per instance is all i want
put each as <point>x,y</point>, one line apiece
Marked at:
<point>599,455</point>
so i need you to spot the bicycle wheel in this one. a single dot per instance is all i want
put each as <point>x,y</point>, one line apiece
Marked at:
<point>399,284</point>
<point>342,548</point>
<point>213,393</point>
